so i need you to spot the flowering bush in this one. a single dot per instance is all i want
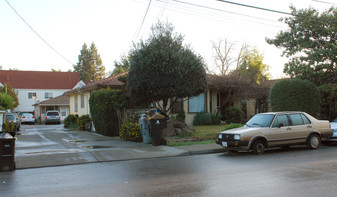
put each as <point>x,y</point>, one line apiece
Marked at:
<point>131,132</point>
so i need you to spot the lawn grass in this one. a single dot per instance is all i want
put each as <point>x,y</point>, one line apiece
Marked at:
<point>202,135</point>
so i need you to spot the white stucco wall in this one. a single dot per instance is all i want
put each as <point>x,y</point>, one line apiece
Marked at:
<point>26,104</point>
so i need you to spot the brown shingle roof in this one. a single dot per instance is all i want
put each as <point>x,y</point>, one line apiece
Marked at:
<point>39,79</point>
<point>111,82</point>
<point>59,100</point>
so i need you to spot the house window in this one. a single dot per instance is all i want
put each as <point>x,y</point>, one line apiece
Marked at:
<point>63,111</point>
<point>31,95</point>
<point>82,100</point>
<point>76,107</point>
<point>218,101</point>
<point>178,106</point>
<point>48,95</point>
<point>197,104</point>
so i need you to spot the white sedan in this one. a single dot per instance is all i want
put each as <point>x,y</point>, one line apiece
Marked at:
<point>334,129</point>
<point>27,118</point>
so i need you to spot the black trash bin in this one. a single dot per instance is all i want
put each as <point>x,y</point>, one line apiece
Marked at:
<point>156,130</point>
<point>7,150</point>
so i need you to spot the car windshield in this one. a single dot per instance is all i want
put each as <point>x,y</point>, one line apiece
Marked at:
<point>260,120</point>
<point>52,114</point>
<point>335,120</point>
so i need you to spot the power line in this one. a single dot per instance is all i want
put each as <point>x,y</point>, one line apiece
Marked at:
<point>325,2</point>
<point>38,34</point>
<point>141,26</point>
<point>275,11</point>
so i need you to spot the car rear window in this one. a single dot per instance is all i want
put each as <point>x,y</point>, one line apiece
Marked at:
<point>52,113</point>
<point>296,119</point>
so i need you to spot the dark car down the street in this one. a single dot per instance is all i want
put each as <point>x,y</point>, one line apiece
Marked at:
<point>276,129</point>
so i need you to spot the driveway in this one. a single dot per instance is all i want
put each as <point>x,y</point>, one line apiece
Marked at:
<point>53,145</point>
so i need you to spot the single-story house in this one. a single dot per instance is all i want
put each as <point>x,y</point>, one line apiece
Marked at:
<point>80,95</point>
<point>220,91</point>
<point>59,103</point>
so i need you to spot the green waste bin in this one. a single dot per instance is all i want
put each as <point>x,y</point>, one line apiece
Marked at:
<point>156,130</point>
<point>7,150</point>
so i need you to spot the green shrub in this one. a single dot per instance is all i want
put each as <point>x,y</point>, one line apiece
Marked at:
<point>82,121</point>
<point>8,126</point>
<point>295,95</point>
<point>202,118</point>
<point>329,101</point>
<point>180,117</point>
<point>233,115</point>
<point>71,121</point>
<point>215,118</point>
<point>131,132</point>
<point>104,107</point>
<point>232,126</point>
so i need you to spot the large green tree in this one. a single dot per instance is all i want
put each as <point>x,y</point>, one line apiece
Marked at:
<point>162,67</point>
<point>310,43</point>
<point>89,64</point>
<point>252,67</point>
<point>121,66</point>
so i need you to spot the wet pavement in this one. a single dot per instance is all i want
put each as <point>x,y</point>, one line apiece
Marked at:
<point>53,145</point>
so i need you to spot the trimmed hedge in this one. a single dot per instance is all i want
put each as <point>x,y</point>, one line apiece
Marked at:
<point>295,95</point>
<point>103,107</point>
<point>329,101</point>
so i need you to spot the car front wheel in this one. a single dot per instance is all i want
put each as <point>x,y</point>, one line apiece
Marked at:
<point>258,147</point>
<point>313,141</point>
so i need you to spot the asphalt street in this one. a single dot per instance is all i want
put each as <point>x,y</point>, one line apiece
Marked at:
<point>280,172</point>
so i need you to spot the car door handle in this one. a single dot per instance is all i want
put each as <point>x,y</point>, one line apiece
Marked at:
<point>309,126</point>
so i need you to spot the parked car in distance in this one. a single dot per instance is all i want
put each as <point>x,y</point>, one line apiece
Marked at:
<point>52,117</point>
<point>276,129</point>
<point>27,118</point>
<point>12,117</point>
<point>334,130</point>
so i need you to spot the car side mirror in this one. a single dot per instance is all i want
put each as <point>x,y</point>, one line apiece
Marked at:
<point>281,125</point>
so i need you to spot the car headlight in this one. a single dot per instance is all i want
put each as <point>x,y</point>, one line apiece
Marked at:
<point>220,136</point>
<point>237,137</point>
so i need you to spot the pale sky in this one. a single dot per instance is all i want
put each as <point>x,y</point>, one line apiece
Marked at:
<point>114,24</point>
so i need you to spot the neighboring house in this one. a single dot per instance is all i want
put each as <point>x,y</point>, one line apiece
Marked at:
<point>36,86</point>
<point>80,95</point>
<point>210,102</point>
<point>219,91</point>
<point>59,103</point>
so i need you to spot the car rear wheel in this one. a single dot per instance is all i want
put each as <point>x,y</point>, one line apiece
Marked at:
<point>258,147</point>
<point>313,141</point>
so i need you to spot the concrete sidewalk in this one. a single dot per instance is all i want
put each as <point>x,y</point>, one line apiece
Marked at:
<point>77,147</point>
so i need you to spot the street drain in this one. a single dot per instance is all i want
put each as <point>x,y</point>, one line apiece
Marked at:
<point>95,147</point>
<point>77,141</point>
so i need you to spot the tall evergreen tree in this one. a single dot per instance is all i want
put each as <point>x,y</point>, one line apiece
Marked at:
<point>89,64</point>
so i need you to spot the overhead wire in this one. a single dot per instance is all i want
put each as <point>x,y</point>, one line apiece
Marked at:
<point>49,45</point>
<point>275,11</point>
<point>324,2</point>
<point>142,22</point>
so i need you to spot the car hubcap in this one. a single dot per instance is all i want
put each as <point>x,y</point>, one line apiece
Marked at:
<point>314,142</point>
<point>259,147</point>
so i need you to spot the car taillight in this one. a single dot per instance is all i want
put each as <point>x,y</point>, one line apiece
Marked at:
<point>23,116</point>
<point>33,117</point>
<point>60,117</point>
<point>46,118</point>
